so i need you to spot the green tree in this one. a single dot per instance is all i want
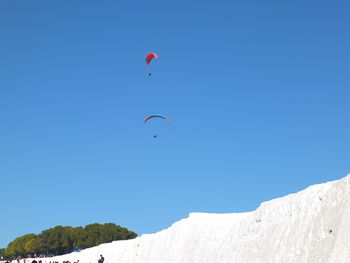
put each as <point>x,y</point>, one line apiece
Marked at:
<point>18,246</point>
<point>30,247</point>
<point>75,235</point>
<point>57,240</point>
<point>92,234</point>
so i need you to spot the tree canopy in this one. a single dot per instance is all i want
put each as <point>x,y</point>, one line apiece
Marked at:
<point>65,239</point>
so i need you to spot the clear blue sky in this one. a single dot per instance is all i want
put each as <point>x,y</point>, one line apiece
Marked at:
<point>257,91</point>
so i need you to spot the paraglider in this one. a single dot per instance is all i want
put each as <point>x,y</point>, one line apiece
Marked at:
<point>149,58</point>
<point>156,116</point>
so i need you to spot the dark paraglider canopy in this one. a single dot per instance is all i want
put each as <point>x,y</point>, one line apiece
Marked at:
<point>156,116</point>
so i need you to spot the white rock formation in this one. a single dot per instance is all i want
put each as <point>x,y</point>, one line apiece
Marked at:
<point>310,226</point>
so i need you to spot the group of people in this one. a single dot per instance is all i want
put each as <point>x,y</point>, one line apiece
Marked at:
<point>100,260</point>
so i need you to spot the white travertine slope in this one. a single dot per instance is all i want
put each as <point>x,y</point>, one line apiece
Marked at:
<point>310,226</point>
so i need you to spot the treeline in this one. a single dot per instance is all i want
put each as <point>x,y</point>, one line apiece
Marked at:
<point>65,239</point>
<point>2,253</point>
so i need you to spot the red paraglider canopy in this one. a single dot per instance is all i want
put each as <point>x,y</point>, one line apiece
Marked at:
<point>151,56</point>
